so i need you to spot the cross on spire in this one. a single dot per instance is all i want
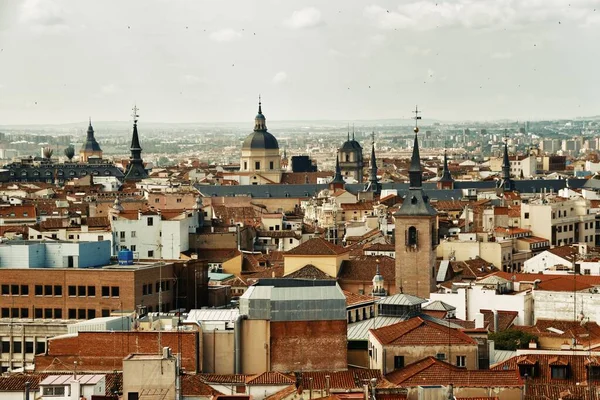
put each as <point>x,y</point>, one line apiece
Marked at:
<point>417,117</point>
<point>135,113</point>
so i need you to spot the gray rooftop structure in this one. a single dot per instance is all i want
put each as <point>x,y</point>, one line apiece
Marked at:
<point>402,299</point>
<point>294,300</point>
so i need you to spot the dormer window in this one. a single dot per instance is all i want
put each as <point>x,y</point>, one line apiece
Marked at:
<point>594,372</point>
<point>559,371</point>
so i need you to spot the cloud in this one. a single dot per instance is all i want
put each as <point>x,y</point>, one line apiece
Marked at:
<point>43,16</point>
<point>109,89</point>
<point>378,39</point>
<point>417,51</point>
<point>225,35</point>
<point>280,77</point>
<point>424,15</point>
<point>309,17</point>
<point>501,55</point>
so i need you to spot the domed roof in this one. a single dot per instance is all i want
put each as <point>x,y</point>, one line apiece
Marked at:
<point>260,140</point>
<point>351,145</point>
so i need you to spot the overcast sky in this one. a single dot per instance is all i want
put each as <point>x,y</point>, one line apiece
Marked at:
<point>204,61</point>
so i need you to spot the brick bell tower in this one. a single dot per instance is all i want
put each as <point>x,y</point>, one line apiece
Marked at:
<point>416,233</point>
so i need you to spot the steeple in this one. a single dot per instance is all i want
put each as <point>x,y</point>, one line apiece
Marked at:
<point>338,181</point>
<point>373,181</point>
<point>260,122</point>
<point>90,148</point>
<point>135,169</point>
<point>506,183</point>
<point>415,174</point>
<point>446,181</point>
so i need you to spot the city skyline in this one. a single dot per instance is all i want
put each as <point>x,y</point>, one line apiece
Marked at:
<point>338,61</point>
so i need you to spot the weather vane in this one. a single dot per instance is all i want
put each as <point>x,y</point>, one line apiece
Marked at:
<point>135,113</point>
<point>417,117</point>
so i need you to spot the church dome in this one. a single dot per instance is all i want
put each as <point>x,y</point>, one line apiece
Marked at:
<point>260,140</point>
<point>351,145</point>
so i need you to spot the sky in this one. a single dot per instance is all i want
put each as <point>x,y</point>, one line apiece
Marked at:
<point>63,61</point>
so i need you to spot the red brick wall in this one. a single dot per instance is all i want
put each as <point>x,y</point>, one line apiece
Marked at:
<point>308,346</point>
<point>104,351</point>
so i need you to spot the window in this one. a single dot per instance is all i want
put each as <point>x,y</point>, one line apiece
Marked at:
<point>5,312</point>
<point>461,361</point>
<point>122,235</point>
<point>91,291</point>
<point>81,313</point>
<point>257,165</point>
<point>58,313</point>
<point>411,236</point>
<point>398,362</point>
<point>440,356</point>
<point>271,165</point>
<point>149,288</point>
<point>526,215</point>
<point>593,373</point>
<point>245,165</point>
<point>179,200</point>
<point>24,312</point>
<point>150,253</point>
<point>150,221</point>
<point>24,290</point>
<point>91,314</point>
<point>40,347</point>
<point>29,347</point>
<point>5,347</point>
<point>38,313</point>
<point>14,313</point>
<point>17,347</point>
<point>100,238</point>
<point>5,290</point>
<point>57,290</point>
<point>105,291</point>
<point>72,313</point>
<point>559,371</point>
<point>133,234</point>
<point>54,391</point>
<point>48,313</point>
<point>114,291</point>
<point>47,290</point>
<point>72,291</point>
<point>81,291</point>
<point>133,248</point>
<point>14,290</point>
<point>144,289</point>
<point>105,312</point>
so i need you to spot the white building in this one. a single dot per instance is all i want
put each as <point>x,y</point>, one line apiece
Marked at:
<point>29,254</point>
<point>489,293</point>
<point>70,387</point>
<point>152,234</point>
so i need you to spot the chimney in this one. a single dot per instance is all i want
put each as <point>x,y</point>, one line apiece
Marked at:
<point>479,321</point>
<point>495,320</point>
<point>326,385</point>
<point>166,353</point>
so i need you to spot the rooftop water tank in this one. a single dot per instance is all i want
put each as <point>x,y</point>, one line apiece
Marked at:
<point>125,257</point>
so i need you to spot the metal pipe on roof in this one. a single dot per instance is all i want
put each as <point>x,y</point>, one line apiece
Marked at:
<point>237,344</point>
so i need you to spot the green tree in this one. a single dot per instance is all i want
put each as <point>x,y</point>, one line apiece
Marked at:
<point>512,339</point>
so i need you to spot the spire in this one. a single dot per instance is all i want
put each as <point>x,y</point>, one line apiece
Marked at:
<point>374,182</point>
<point>260,122</point>
<point>446,176</point>
<point>353,132</point>
<point>348,138</point>
<point>505,161</point>
<point>337,178</point>
<point>91,146</point>
<point>135,169</point>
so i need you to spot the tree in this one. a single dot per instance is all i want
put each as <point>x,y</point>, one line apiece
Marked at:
<point>512,339</point>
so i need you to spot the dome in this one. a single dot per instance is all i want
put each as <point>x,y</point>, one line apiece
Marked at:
<point>378,278</point>
<point>258,140</point>
<point>351,145</point>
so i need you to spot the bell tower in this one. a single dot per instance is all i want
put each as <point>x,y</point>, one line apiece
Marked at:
<point>416,233</point>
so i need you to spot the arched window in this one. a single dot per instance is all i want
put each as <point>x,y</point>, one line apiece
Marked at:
<point>412,237</point>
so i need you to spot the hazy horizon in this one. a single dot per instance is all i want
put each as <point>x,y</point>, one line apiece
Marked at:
<point>206,61</point>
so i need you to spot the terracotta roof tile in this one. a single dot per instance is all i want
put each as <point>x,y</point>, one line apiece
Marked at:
<point>282,394</point>
<point>224,378</point>
<point>436,372</point>
<point>317,247</point>
<point>309,272</point>
<point>353,299</point>
<point>417,331</point>
<point>270,378</point>
<point>194,385</point>
<point>363,268</point>
<point>339,379</point>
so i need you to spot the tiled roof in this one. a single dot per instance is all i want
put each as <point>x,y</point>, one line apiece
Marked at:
<point>282,394</point>
<point>299,178</point>
<point>16,382</point>
<point>505,319</point>
<point>419,332</point>
<point>380,247</point>
<point>274,272</point>
<point>436,372</point>
<point>363,268</point>
<point>309,272</point>
<point>589,332</point>
<point>218,255</point>
<point>317,247</point>
<point>270,378</point>
<point>194,385</point>
<point>360,206</point>
<point>565,252</point>
<point>224,378</point>
<point>19,211</point>
<point>353,299</point>
<point>279,234</point>
<point>349,379</point>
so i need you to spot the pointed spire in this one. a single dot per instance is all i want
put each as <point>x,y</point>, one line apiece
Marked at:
<point>259,105</point>
<point>505,161</point>
<point>414,171</point>
<point>348,138</point>
<point>135,140</point>
<point>446,175</point>
<point>337,178</point>
<point>353,131</point>
<point>135,169</point>
<point>373,179</point>
<point>260,123</point>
